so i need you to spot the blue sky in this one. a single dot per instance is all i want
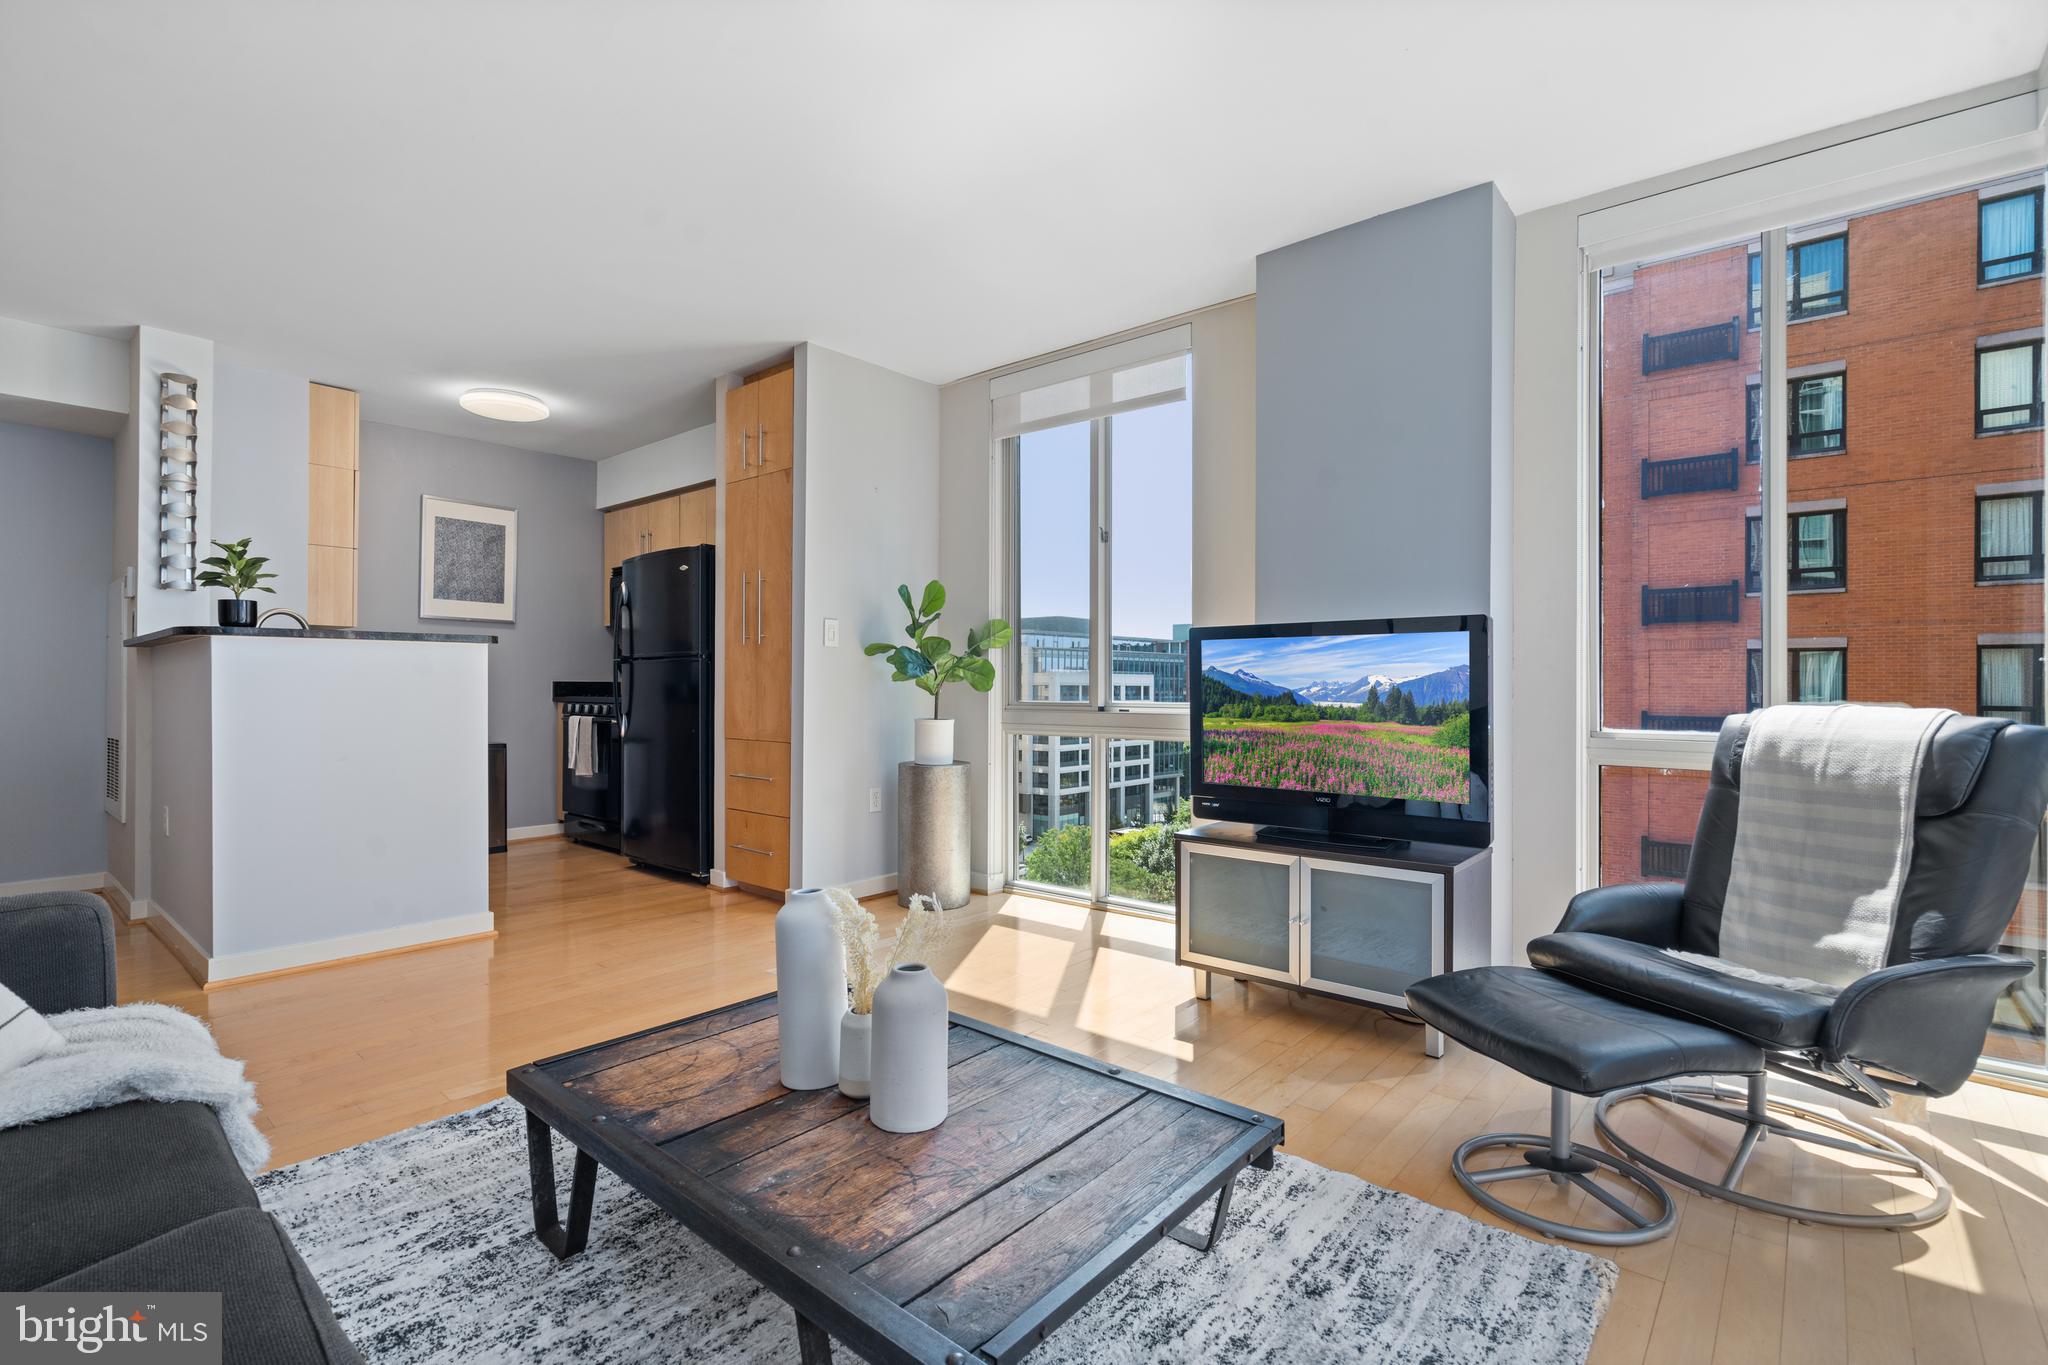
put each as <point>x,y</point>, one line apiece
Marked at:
<point>1301,660</point>
<point>1151,497</point>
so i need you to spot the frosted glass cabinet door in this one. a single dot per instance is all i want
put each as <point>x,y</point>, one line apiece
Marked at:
<point>1371,931</point>
<point>1240,910</point>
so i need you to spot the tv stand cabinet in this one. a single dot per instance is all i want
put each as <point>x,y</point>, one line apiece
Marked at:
<point>1328,918</point>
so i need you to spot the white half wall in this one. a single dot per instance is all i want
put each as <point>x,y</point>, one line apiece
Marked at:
<point>689,457</point>
<point>871,497</point>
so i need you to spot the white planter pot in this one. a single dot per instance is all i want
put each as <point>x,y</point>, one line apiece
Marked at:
<point>935,743</point>
<point>856,1031</point>
<point>908,1066</point>
<point>810,990</point>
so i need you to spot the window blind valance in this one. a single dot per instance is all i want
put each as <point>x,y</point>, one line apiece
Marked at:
<point>1138,373</point>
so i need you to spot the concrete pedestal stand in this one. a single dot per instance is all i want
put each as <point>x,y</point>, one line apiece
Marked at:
<point>933,821</point>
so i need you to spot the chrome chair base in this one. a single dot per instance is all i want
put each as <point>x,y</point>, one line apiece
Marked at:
<point>1754,1110</point>
<point>1565,1163</point>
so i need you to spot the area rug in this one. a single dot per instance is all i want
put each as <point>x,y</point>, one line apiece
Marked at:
<point>423,1241</point>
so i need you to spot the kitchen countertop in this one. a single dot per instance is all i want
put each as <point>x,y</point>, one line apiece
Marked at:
<point>583,691</point>
<point>157,637</point>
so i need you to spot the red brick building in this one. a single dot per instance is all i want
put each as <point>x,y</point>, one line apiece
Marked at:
<point>1913,360</point>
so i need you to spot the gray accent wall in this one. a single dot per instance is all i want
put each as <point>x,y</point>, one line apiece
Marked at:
<point>557,635</point>
<point>1383,393</point>
<point>56,541</point>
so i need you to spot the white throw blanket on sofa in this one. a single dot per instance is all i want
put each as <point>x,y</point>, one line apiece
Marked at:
<point>1823,838</point>
<point>135,1052</point>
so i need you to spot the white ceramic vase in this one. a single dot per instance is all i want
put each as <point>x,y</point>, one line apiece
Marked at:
<point>908,1066</point>
<point>810,990</point>
<point>934,742</point>
<point>856,1032</point>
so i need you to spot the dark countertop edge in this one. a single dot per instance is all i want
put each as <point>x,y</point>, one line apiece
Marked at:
<point>157,637</point>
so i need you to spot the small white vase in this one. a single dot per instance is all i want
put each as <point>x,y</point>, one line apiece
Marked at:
<point>908,1066</point>
<point>856,1032</point>
<point>934,742</point>
<point>810,990</point>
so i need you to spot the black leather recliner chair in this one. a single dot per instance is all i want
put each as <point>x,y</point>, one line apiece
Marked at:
<point>1915,1026</point>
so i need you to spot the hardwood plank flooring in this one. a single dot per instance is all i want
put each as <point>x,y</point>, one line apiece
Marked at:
<point>589,948</point>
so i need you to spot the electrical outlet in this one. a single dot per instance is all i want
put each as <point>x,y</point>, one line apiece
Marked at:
<point>874,800</point>
<point>831,632</point>
<point>167,822</point>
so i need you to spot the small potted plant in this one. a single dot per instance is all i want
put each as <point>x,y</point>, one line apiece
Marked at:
<point>929,663</point>
<point>235,569</point>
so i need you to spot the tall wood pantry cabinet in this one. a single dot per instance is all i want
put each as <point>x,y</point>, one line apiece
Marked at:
<point>755,566</point>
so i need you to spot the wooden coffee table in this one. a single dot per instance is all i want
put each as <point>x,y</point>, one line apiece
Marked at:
<point>971,1242</point>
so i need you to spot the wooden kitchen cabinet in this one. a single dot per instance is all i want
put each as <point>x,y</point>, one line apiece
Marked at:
<point>756,573</point>
<point>333,475</point>
<point>741,408</point>
<point>689,517</point>
<point>760,425</point>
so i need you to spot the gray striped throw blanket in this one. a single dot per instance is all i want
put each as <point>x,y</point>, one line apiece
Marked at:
<point>1823,838</point>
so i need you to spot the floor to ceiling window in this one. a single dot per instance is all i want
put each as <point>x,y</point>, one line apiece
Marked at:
<point>1827,489</point>
<point>1098,451</point>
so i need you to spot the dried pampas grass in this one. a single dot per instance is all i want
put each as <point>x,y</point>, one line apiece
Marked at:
<point>921,939</point>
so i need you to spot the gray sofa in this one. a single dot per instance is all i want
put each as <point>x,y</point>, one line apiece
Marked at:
<point>141,1196</point>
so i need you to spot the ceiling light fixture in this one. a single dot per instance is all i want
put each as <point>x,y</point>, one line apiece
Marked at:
<point>504,405</point>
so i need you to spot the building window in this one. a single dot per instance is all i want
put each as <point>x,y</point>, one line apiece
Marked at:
<point>1753,556</point>
<point>2009,682</point>
<point>1817,276</point>
<point>2009,538</point>
<point>1756,679</point>
<point>1819,549</point>
<point>1820,408</point>
<point>2009,387</point>
<point>1752,421</point>
<point>1756,290</point>
<point>2009,236</point>
<point>1820,675</point>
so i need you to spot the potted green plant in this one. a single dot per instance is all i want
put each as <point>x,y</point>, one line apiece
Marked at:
<point>929,663</point>
<point>235,569</point>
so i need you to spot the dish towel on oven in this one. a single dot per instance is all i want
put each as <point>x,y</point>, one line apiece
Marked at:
<point>582,753</point>
<point>1823,838</point>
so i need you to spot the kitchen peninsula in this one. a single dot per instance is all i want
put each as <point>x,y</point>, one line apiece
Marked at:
<point>313,794</point>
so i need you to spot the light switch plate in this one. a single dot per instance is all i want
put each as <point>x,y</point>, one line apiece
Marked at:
<point>831,632</point>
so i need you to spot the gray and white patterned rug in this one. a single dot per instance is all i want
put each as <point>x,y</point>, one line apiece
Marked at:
<point>423,1241</point>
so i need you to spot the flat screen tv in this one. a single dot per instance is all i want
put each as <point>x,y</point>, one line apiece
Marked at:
<point>1372,731</point>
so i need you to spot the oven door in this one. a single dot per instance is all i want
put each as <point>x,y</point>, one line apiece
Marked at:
<point>590,789</point>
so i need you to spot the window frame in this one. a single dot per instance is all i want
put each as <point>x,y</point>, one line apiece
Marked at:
<point>2034,560</point>
<point>2033,409</point>
<point>1103,719</point>
<point>1793,435</point>
<point>1794,301</point>
<point>1792,669</point>
<point>2033,192</point>
<point>2034,711</point>
<point>1837,572</point>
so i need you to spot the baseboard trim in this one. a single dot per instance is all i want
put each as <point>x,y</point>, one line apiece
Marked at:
<point>872,886</point>
<point>116,895</point>
<point>519,834</point>
<point>82,881</point>
<point>238,968</point>
<point>172,935</point>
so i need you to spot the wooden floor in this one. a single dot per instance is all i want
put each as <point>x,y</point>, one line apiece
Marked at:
<point>589,948</point>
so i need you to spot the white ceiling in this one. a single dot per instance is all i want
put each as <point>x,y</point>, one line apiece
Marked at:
<point>608,203</point>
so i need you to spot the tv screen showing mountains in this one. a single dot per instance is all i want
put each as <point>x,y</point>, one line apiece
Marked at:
<point>1362,715</point>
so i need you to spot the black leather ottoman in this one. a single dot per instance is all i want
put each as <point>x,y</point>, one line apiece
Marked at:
<point>1577,1042</point>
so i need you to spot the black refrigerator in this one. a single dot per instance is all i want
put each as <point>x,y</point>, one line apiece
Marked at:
<point>664,614</point>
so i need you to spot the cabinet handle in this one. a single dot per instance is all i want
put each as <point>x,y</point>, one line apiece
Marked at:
<point>752,777</point>
<point>761,610</point>
<point>749,848</point>
<point>761,438</point>
<point>745,436</point>
<point>744,578</point>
